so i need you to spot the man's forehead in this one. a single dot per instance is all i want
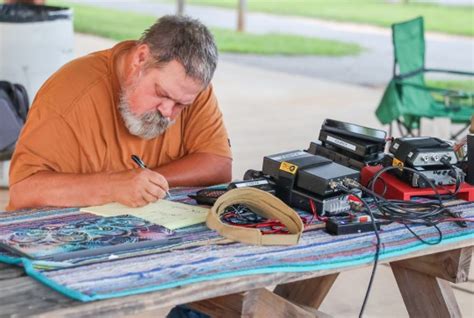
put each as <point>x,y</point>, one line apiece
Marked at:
<point>177,87</point>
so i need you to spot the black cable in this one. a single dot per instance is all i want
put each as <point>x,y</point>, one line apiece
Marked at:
<point>376,256</point>
<point>405,212</point>
<point>377,247</point>
<point>440,237</point>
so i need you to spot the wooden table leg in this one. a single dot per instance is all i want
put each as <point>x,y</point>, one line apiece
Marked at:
<point>255,303</point>
<point>423,282</point>
<point>10,271</point>
<point>309,292</point>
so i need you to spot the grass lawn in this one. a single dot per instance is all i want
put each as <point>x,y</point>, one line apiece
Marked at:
<point>439,18</point>
<point>463,85</point>
<point>121,25</point>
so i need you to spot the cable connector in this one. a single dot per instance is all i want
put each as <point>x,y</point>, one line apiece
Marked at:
<point>446,161</point>
<point>351,183</point>
<point>334,184</point>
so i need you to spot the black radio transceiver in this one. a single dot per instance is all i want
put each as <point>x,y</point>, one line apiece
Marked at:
<point>422,152</point>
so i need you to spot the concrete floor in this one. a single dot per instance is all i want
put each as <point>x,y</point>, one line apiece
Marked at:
<point>268,112</point>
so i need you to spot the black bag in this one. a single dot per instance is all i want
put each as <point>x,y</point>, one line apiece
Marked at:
<point>14,106</point>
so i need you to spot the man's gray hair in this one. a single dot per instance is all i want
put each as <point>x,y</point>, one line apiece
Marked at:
<point>186,40</point>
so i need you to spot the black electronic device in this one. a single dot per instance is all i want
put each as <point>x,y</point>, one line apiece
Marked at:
<point>309,172</point>
<point>348,225</point>
<point>439,177</point>
<point>470,159</point>
<point>260,183</point>
<point>338,156</point>
<point>208,196</point>
<point>351,145</point>
<point>354,131</point>
<point>289,162</point>
<point>318,179</point>
<point>300,177</point>
<point>422,152</point>
<point>430,157</point>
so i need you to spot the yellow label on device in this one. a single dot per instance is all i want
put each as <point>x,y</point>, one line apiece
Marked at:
<point>397,163</point>
<point>288,167</point>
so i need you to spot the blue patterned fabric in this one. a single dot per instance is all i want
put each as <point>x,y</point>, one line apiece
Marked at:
<point>152,270</point>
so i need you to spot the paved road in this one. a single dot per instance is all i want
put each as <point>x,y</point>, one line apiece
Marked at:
<point>371,68</point>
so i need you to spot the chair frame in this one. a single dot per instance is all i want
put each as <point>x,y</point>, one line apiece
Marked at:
<point>446,93</point>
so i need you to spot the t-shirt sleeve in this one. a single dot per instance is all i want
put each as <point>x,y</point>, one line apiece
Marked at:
<point>204,129</point>
<point>46,143</point>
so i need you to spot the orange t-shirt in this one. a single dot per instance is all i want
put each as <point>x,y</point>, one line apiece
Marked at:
<point>74,125</point>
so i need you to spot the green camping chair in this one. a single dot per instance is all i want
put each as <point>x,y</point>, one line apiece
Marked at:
<point>407,98</point>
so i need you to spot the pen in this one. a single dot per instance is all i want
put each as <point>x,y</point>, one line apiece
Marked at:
<point>142,165</point>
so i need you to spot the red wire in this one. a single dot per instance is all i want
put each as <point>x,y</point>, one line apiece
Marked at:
<point>315,214</point>
<point>280,227</point>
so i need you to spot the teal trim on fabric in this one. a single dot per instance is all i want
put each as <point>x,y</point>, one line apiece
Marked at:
<point>10,260</point>
<point>267,270</point>
<point>31,271</point>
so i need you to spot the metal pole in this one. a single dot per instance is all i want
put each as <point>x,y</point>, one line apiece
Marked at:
<point>180,9</point>
<point>241,15</point>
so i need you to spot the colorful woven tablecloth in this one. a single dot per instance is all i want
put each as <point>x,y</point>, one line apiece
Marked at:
<point>198,259</point>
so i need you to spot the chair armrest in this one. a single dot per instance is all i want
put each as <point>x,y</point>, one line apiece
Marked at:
<point>442,91</point>
<point>438,70</point>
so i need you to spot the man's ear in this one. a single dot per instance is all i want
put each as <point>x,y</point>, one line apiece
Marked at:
<point>140,56</point>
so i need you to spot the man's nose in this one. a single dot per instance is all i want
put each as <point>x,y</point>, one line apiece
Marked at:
<point>166,107</point>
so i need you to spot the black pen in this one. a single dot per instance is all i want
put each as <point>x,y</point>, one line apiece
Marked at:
<point>142,165</point>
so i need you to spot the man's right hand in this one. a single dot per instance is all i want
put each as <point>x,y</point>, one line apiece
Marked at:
<point>137,187</point>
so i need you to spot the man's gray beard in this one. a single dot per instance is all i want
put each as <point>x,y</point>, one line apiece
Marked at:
<point>148,125</point>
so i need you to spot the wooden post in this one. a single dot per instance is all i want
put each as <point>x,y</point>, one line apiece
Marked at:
<point>424,295</point>
<point>452,266</point>
<point>310,292</point>
<point>423,282</point>
<point>255,303</point>
<point>241,15</point>
<point>10,271</point>
<point>180,7</point>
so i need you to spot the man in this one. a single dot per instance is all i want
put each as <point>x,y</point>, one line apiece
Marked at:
<point>151,98</point>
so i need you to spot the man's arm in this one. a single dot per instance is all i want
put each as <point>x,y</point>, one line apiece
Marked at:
<point>198,169</point>
<point>135,187</point>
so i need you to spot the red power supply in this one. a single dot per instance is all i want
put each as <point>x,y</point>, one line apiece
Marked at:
<point>397,189</point>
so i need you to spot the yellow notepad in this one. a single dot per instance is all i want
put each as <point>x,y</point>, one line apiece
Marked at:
<point>173,215</point>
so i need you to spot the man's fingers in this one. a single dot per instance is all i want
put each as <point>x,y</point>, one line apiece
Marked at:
<point>141,202</point>
<point>134,203</point>
<point>156,191</point>
<point>158,180</point>
<point>147,197</point>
